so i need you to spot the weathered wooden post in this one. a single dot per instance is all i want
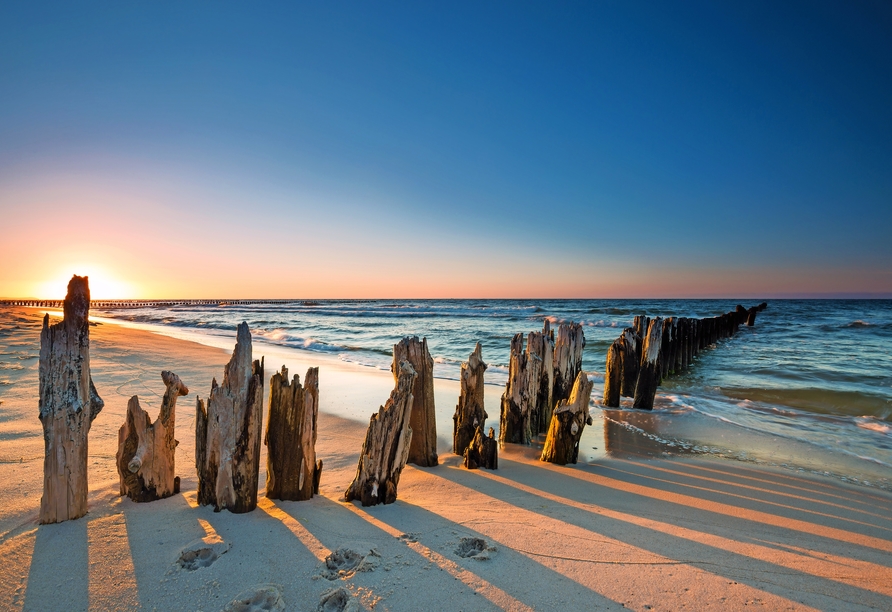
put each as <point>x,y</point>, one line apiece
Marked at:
<point>541,362</point>
<point>292,471</point>
<point>146,450</point>
<point>631,361</point>
<point>514,416</point>
<point>483,451</point>
<point>649,375</point>
<point>68,404</point>
<point>423,419</point>
<point>568,348</point>
<point>751,316</point>
<point>469,413</point>
<point>228,433</point>
<point>569,419</point>
<point>613,373</point>
<point>386,446</point>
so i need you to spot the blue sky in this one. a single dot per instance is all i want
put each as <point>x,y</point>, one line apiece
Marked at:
<point>602,149</point>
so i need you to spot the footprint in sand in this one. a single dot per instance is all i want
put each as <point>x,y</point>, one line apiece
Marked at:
<point>475,548</point>
<point>337,600</point>
<point>202,553</point>
<point>344,562</point>
<point>263,598</point>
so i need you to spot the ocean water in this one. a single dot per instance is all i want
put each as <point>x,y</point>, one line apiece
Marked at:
<point>809,387</point>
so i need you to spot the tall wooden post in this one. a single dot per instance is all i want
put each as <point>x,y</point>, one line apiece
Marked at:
<point>292,471</point>
<point>68,404</point>
<point>423,450</point>
<point>228,433</point>
<point>569,419</point>
<point>649,376</point>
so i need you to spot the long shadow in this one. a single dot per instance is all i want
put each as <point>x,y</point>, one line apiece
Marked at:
<point>59,564</point>
<point>155,532</point>
<point>863,503</point>
<point>737,518</point>
<point>831,514</point>
<point>759,501</point>
<point>424,545</point>
<point>812,590</point>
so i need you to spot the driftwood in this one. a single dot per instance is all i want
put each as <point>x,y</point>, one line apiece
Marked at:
<point>292,472</point>
<point>423,419</point>
<point>569,419</point>
<point>469,413</point>
<point>68,404</point>
<point>228,433</point>
<point>386,446</point>
<point>530,375</point>
<point>649,374</point>
<point>483,452</point>
<point>146,450</point>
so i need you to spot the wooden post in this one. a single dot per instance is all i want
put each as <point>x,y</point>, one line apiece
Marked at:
<point>146,450</point>
<point>613,373</point>
<point>423,419</point>
<point>68,404</point>
<point>292,472</point>
<point>514,416</point>
<point>631,361</point>
<point>386,446</point>
<point>469,413</point>
<point>567,360</point>
<point>483,451</point>
<point>541,377</point>
<point>569,419</point>
<point>751,316</point>
<point>649,375</point>
<point>228,433</point>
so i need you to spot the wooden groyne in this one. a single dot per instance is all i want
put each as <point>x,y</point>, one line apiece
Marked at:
<point>112,304</point>
<point>655,348</point>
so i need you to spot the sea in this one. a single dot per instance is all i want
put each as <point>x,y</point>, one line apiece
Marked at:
<point>808,388</point>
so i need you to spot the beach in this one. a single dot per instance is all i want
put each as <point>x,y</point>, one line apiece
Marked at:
<point>641,528</point>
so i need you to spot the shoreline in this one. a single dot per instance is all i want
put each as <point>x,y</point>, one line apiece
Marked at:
<point>609,532</point>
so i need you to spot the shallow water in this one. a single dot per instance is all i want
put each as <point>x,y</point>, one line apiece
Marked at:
<point>810,386</point>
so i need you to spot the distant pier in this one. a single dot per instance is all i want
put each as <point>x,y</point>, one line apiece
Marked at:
<point>113,304</point>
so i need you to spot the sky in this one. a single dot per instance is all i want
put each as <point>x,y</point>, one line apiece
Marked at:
<point>420,149</point>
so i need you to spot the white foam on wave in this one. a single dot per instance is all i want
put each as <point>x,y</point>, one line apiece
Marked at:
<point>874,425</point>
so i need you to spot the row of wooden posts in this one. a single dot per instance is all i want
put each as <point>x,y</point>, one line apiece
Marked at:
<point>645,354</point>
<point>546,391</point>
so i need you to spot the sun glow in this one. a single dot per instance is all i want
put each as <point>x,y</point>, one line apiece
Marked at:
<point>103,284</point>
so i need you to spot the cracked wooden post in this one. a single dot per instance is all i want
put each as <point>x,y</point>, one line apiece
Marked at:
<point>68,404</point>
<point>540,377</point>
<point>483,452</point>
<point>569,419</point>
<point>228,433</point>
<point>568,347</point>
<point>469,413</point>
<point>386,446</point>
<point>146,450</point>
<point>423,419</point>
<point>649,374</point>
<point>613,374</point>
<point>292,472</point>
<point>514,415</point>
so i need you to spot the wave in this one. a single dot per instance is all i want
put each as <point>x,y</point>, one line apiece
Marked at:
<point>821,401</point>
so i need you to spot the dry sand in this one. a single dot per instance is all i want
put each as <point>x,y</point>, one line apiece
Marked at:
<point>609,533</point>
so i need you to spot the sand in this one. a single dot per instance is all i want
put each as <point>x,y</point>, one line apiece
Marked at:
<point>614,531</point>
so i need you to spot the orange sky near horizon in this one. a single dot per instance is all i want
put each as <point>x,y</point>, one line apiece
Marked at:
<point>137,241</point>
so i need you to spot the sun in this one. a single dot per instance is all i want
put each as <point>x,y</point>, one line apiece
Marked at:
<point>103,284</point>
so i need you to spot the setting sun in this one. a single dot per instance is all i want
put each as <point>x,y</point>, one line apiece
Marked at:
<point>103,285</point>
